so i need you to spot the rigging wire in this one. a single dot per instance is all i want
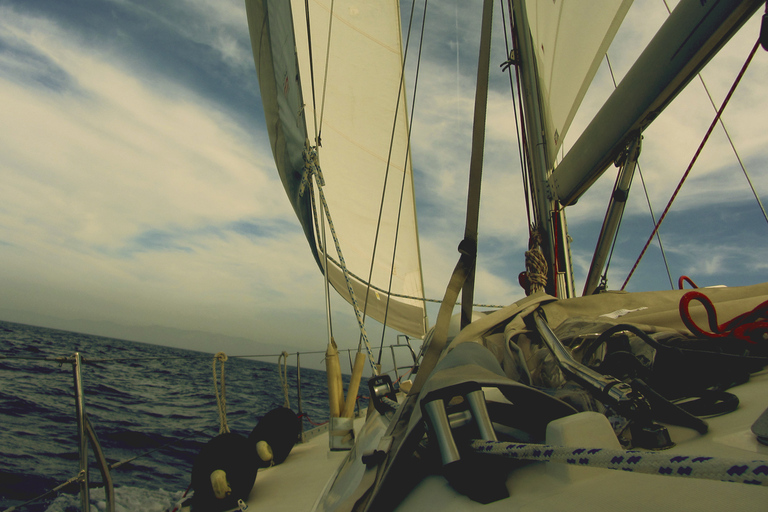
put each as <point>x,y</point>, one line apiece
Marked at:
<point>401,88</point>
<point>648,200</point>
<point>311,160</point>
<point>311,71</point>
<point>728,135</point>
<point>326,278</point>
<point>324,212</point>
<point>325,76</point>
<point>653,219</point>
<point>695,158</point>
<point>411,297</point>
<point>383,197</point>
<point>321,230</point>
<point>507,66</point>
<point>735,152</point>
<point>321,239</point>
<point>534,276</point>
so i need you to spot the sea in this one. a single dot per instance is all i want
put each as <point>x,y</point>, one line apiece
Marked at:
<point>149,402</point>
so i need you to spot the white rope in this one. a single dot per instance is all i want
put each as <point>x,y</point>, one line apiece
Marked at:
<point>312,168</point>
<point>221,399</point>
<point>393,404</point>
<point>655,463</point>
<point>282,374</point>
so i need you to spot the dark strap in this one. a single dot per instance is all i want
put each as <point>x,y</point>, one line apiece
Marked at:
<point>440,335</point>
<point>476,158</point>
<point>711,402</point>
<point>665,411</point>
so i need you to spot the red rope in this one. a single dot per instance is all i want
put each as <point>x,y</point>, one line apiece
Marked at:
<point>177,507</point>
<point>305,415</point>
<point>746,326</point>
<point>693,161</point>
<point>683,279</point>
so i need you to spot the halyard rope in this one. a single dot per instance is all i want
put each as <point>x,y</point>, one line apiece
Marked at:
<point>312,167</point>
<point>221,399</point>
<point>282,373</point>
<point>655,463</point>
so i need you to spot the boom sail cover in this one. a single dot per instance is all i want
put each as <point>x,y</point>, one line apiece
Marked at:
<point>348,108</point>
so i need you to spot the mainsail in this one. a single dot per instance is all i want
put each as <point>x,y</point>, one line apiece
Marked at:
<point>569,40</point>
<point>321,92</point>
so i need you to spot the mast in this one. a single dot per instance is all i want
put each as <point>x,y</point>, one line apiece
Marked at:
<point>554,75</point>
<point>548,217</point>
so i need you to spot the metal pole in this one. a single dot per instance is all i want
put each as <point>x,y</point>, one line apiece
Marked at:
<point>81,437</point>
<point>544,207</point>
<point>109,488</point>
<point>613,216</point>
<point>298,386</point>
<point>394,362</point>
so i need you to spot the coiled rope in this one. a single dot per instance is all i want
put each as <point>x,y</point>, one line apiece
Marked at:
<point>749,326</point>
<point>654,463</point>
<point>221,399</point>
<point>282,374</point>
<point>535,276</point>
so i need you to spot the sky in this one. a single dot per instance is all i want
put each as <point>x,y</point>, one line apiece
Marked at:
<point>139,198</point>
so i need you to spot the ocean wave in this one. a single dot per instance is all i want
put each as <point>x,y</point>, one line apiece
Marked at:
<point>135,404</point>
<point>127,499</point>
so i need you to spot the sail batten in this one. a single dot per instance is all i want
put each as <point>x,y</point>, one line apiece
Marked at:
<point>365,169</point>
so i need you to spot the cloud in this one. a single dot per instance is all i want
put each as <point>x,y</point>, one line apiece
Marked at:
<point>139,185</point>
<point>715,185</point>
<point>123,200</point>
<point>441,148</point>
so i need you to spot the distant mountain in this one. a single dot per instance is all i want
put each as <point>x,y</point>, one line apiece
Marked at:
<point>167,336</point>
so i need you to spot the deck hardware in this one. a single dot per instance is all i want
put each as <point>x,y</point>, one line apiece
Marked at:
<point>382,390</point>
<point>628,402</point>
<point>461,409</point>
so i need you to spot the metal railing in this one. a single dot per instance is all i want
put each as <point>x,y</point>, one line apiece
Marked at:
<point>87,435</point>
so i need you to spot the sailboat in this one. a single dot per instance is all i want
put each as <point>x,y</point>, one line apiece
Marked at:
<point>565,399</point>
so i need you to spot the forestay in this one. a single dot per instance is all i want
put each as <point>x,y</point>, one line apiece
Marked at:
<point>357,102</point>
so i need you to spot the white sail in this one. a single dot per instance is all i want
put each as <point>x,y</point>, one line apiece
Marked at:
<point>354,106</point>
<point>570,39</point>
